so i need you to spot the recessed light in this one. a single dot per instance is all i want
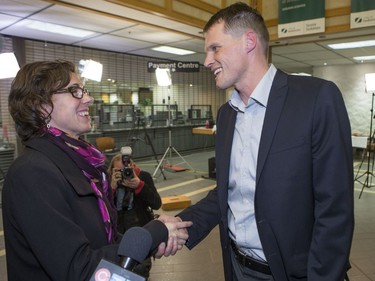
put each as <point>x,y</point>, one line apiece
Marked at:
<point>59,29</point>
<point>172,50</point>
<point>364,58</point>
<point>351,45</point>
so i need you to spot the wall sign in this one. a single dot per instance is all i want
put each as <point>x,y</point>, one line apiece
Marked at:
<point>176,66</point>
<point>301,17</point>
<point>363,13</point>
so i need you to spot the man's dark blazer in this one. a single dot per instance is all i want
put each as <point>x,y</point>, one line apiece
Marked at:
<point>304,182</point>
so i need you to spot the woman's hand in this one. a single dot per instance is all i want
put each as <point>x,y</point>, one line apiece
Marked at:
<point>178,235</point>
<point>115,178</point>
<point>131,182</point>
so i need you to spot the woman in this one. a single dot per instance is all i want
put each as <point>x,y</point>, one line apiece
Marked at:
<point>135,197</point>
<point>58,213</point>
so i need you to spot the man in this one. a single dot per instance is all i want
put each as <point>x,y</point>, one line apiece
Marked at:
<point>284,195</point>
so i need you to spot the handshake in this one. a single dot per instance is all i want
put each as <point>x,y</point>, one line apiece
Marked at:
<point>178,235</point>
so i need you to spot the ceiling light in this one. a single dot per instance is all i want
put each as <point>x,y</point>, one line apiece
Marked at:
<point>172,50</point>
<point>370,82</point>
<point>301,74</point>
<point>59,29</point>
<point>91,70</point>
<point>364,58</point>
<point>163,76</point>
<point>350,45</point>
<point>9,65</point>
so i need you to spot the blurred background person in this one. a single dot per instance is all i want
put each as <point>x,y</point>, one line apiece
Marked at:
<point>135,198</point>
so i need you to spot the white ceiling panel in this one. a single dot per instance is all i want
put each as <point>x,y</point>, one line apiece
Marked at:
<point>80,19</point>
<point>115,43</point>
<point>22,29</point>
<point>308,56</point>
<point>6,20</point>
<point>151,53</point>
<point>136,32</point>
<point>21,8</point>
<point>156,35</point>
<point>195,45</point>
<point>298,48</point>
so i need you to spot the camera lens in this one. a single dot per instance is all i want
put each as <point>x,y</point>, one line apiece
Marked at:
<point>127,173</point>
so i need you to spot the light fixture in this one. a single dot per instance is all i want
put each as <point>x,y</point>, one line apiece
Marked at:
<point>364,58</point>
<point>172,50</point>
<point>9,65</point>
<point>301,74</point>
<point>135,98</point>
<point>59,29</point>
<point>370,82</point>
<point>351,45</point>
<point>163,76</point>
<point>91,70</point>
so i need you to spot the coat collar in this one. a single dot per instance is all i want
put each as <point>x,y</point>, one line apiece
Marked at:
<point>68,168</point>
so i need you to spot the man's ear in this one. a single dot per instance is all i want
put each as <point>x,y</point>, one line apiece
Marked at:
<point>250,41</point>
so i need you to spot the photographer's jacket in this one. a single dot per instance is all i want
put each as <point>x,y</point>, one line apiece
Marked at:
<point>143,200</point>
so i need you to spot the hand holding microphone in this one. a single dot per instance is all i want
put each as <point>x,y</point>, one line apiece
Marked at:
<point>140,242</point>
<point>136,245</point>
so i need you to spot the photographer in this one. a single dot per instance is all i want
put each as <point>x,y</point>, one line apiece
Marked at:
<point>135,198</point>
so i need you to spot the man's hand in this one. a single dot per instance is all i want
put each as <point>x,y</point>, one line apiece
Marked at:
<point>178,235</point>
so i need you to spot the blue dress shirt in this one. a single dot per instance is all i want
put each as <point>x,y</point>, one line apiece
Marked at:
<point>242,173</point>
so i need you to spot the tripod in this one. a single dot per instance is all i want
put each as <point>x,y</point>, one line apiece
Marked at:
<point>368,181</point>
<point>170,149</point>
<point>147,140</point>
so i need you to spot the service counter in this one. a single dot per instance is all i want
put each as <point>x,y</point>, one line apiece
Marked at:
<point>142,139</point>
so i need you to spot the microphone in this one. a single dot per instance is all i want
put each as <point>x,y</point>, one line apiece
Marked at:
<point>136,245</point>
<point>145,240</point>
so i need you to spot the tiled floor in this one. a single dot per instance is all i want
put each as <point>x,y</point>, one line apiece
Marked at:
<point>204,261</point>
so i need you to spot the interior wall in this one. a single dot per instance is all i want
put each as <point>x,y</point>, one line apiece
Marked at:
<point>351,81</point>
<point>121,72</point>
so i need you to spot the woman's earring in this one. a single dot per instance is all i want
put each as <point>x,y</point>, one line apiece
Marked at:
<point>48,126</point>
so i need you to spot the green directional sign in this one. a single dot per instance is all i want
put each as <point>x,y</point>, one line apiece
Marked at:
<point>300,17</point>
<point>363,13</point>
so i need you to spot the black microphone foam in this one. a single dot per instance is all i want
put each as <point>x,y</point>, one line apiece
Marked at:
<point>158,231</point>
<point>135,246</point>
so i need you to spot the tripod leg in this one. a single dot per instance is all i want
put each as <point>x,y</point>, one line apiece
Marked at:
<point>360,166</point>
<point>161,162</point>
<point>183,159</point>
<point>364,184</point>
<point>148,141</point>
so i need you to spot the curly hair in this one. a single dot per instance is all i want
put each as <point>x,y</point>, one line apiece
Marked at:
<point>238,18</point>
<point>30,103</point>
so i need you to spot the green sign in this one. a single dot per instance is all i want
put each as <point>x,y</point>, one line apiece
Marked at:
<point>299,10</point>
<point>363,13</point>
<point>362,5</point>
<point>300,17</point>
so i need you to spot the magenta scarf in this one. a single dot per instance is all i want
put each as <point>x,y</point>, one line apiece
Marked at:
<point>92,163</point>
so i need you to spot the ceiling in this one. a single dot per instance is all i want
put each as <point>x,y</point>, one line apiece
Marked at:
<point>140,31</point>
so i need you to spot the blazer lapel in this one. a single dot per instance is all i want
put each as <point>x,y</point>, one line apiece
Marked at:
<point>226,120</point>
<point>275,106</point>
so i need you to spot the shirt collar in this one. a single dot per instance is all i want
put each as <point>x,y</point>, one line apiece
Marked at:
<point>259,95</point>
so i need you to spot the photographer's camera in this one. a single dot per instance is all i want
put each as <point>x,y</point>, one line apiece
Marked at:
<point>126,172</point>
